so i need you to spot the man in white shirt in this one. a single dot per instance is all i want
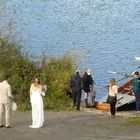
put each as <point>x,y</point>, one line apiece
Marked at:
<point>5,101</point>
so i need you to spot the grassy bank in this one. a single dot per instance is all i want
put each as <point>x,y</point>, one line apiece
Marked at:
<point>135,120</point>
<point>54,72</point>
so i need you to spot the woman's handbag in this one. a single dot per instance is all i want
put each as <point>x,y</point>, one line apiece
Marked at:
<point>111,99</point>
<point>13,106</point>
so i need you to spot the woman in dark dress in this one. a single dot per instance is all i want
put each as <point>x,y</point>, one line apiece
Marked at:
<point>87,82</point>
<point>136,89</point>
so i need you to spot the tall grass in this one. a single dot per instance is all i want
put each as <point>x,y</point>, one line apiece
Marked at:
<point>54,72</point>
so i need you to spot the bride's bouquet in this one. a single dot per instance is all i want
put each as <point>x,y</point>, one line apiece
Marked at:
<point>44,89</point>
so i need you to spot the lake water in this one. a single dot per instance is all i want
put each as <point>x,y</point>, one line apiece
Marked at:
<point>105,34</point>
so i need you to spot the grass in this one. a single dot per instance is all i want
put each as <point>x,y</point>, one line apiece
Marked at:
<point>135,120</point>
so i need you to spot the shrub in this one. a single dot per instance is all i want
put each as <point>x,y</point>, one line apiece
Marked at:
<point>55,72</point>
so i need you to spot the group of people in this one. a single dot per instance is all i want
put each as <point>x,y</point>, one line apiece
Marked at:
<point>113,90</point>
<point>36,100</point>
<point>77,84</point>
<point>86,83</point>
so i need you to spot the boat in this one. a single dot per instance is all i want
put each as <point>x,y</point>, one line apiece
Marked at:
<point>125,99</point>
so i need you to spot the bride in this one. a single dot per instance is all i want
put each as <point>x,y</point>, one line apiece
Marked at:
<point>36,104</point>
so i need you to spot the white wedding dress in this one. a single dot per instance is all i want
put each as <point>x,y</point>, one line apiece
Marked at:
<point>37,109</point>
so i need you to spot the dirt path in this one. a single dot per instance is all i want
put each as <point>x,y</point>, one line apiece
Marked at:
<point>71,126</point>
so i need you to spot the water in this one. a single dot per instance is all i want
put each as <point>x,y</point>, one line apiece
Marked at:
<point>104,33</point>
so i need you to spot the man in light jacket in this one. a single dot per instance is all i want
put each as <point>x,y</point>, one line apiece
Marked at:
<point>5,101</point>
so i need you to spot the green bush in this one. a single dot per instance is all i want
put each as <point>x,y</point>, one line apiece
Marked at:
<point>59,73</point>
<point>55,73</point>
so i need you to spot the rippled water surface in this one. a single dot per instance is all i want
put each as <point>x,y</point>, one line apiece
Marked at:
<point>104,33</point>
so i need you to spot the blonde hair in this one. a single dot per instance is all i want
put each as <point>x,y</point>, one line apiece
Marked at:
<point>112,83</point>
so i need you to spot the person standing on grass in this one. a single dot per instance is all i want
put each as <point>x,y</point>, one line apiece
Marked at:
<point>5,101</point>
<point>136,89</point>
<point>75,85</point>
<point>112,96</point>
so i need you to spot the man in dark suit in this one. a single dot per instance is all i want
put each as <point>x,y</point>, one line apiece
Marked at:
<point>75,85</point>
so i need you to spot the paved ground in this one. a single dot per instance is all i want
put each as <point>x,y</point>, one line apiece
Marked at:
<point>84,125</point>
